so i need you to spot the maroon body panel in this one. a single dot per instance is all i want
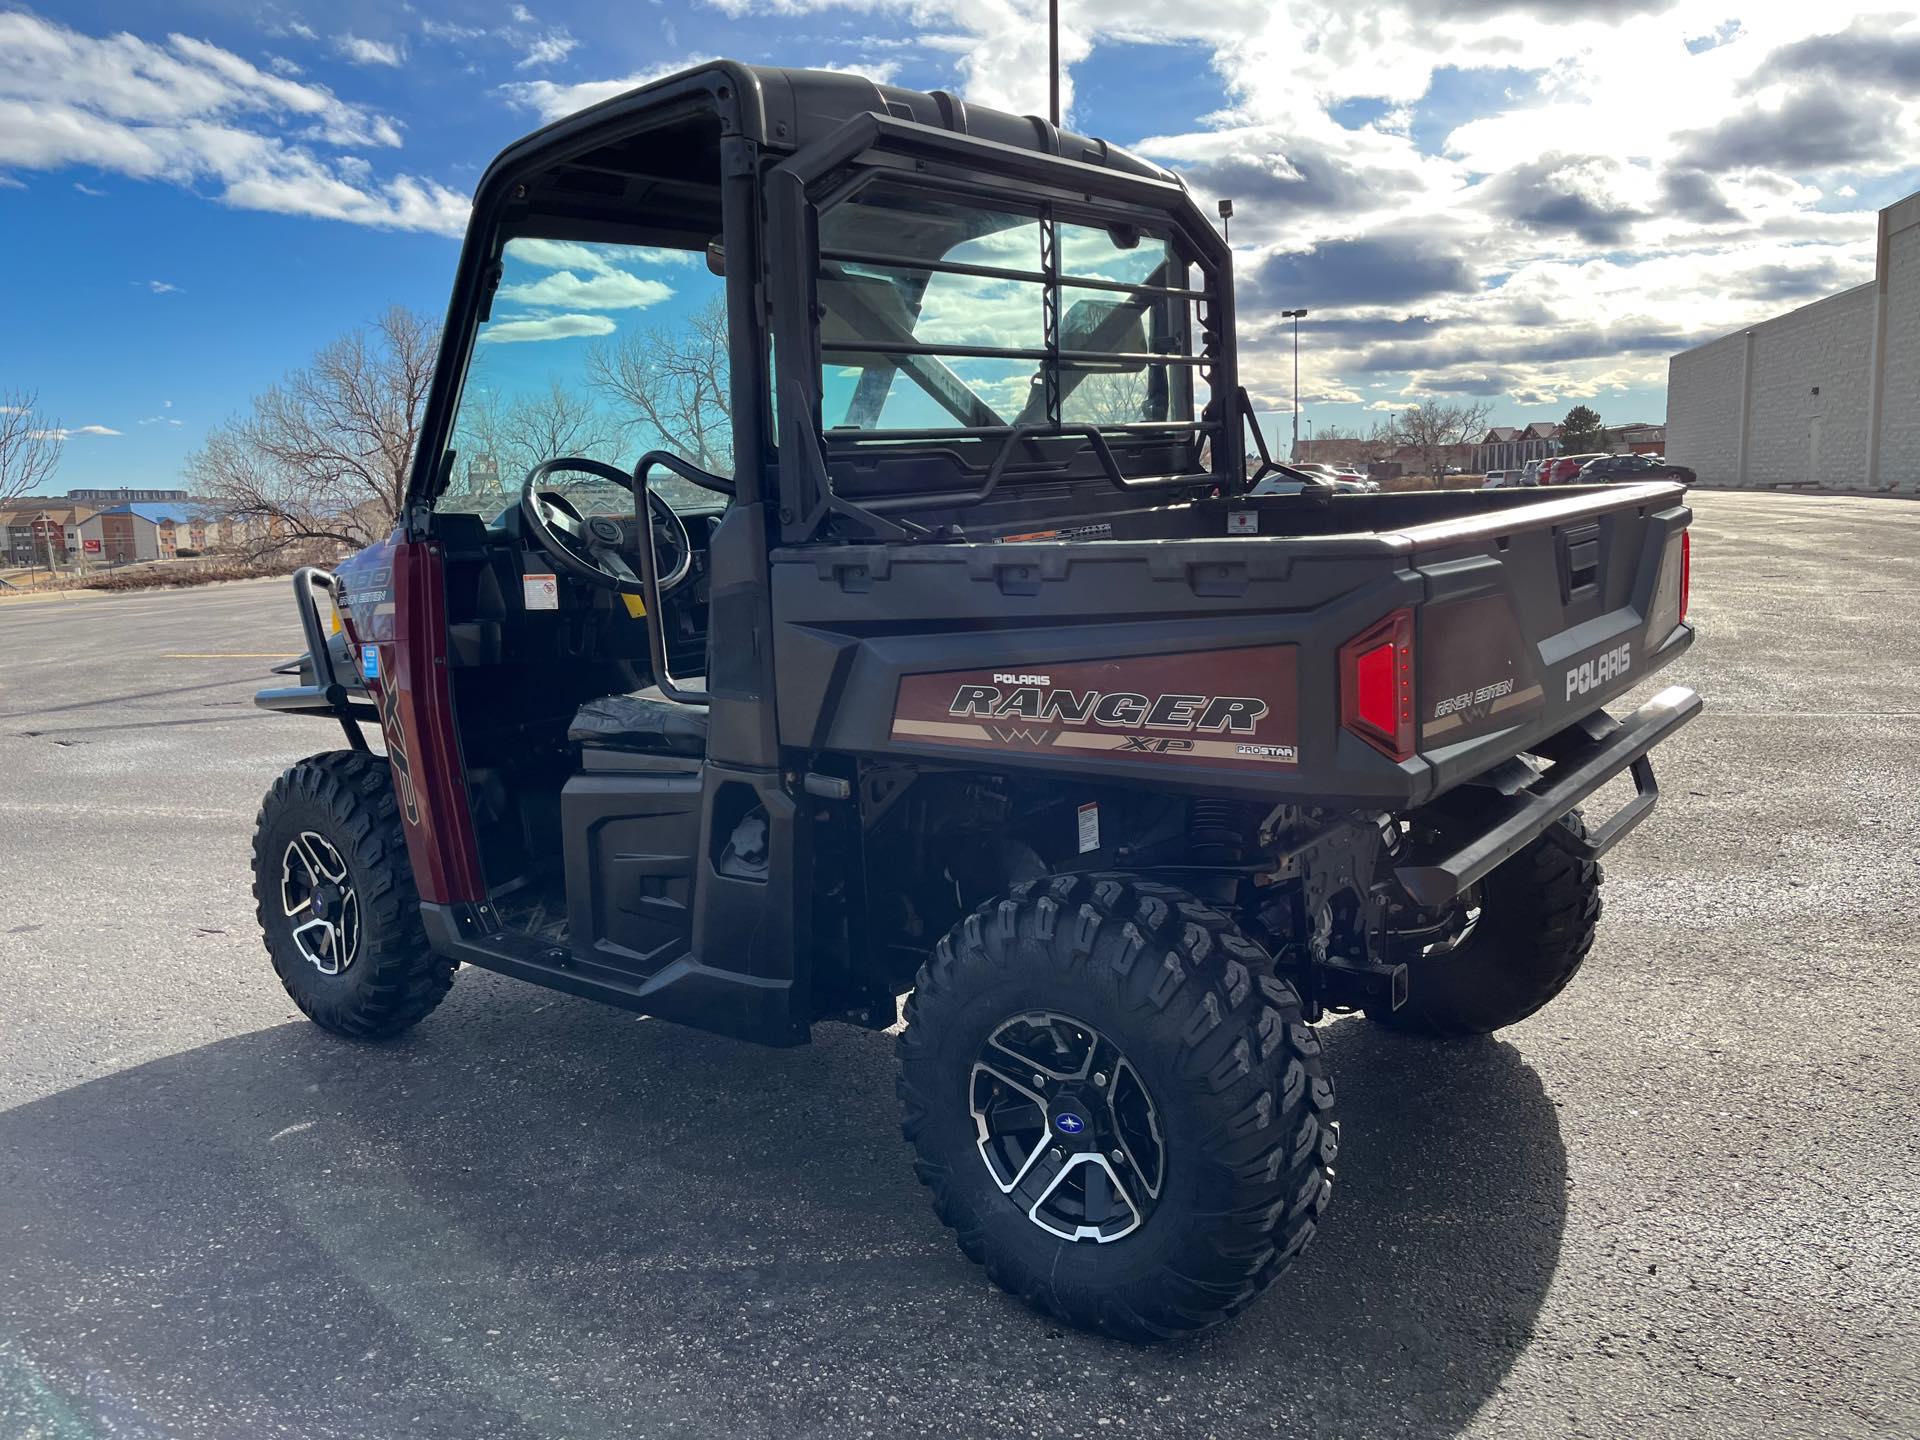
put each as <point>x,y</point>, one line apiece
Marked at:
<point>393,598</point>
<point>1235,708</point>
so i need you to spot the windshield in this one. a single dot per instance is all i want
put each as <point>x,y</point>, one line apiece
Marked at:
<point>599,351</point>
<point>941,314</point>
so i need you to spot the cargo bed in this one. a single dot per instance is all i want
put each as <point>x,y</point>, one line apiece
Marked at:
<point>1522,613</point>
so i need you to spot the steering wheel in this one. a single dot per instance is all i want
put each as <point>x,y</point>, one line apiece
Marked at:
<point>588,547</point>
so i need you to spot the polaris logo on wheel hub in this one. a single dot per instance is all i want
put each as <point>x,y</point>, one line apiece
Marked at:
<point>1601,670</point>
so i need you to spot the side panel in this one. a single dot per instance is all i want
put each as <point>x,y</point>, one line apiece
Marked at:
<point>1223,708</point>
<point>393,599</point>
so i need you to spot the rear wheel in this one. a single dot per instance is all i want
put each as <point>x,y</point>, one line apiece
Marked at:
<point>1116,1105</point>
<point>1506,947</point>
<point>336,900</point>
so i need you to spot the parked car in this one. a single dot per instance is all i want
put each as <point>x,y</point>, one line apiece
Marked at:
<point>1565,469</point>
<point>1291,482</point>
<point>1281,485</point>
<point>1613,469</point>
<point>1530,472</point>
<point>1496,480</point>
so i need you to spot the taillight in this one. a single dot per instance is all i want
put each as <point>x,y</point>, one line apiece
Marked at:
<point>1686,571</point>
<point>1376,685</point>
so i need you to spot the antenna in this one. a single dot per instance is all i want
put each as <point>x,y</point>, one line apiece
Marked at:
<point>1053,62</point>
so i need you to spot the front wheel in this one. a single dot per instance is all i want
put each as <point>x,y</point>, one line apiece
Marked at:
<point>336,900</point>
<point>1117,1106</point>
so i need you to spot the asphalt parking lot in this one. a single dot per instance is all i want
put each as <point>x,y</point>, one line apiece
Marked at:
<point>1684,1200</point>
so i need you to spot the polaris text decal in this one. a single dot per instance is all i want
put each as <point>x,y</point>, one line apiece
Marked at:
<point>1228,707</point>
<point>1601,670</point>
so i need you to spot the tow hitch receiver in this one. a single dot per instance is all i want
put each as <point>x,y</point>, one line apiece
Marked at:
<point>1584,757</point>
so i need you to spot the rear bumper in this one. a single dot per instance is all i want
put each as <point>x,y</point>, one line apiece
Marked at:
<point>1583,757</point>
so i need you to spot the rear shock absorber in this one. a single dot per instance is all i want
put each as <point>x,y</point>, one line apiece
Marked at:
<point>1219,831</point>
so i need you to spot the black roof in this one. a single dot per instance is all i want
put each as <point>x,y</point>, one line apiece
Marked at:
<point>789,109</point>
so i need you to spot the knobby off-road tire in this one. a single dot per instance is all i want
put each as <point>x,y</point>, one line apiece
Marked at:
<point>1244,1106</point>
<point>1538,914</point>
<point>336,813</point>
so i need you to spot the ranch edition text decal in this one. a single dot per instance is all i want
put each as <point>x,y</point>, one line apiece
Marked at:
<point>1216,707</point>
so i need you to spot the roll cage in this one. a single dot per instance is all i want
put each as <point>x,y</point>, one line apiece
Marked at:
<point>789,147</point>
<point>868,476</point>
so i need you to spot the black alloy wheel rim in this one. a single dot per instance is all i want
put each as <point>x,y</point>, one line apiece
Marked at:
<point>1067,1128</point>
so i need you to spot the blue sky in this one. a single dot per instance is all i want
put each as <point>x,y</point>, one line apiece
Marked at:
<point>1528,203</point>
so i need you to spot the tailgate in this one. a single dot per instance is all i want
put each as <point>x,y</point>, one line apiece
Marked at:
<point>1538,615</point>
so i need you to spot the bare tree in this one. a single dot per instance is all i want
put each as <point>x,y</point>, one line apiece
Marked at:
<point>30,444</point>
<point>1433,429</point>
<point>1331,430</point>
<point>1108,397</point>
<point>500,441</point>
<point>325,454</point>
<point>674,386</point>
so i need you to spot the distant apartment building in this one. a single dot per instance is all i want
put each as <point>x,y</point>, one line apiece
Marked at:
<point>106,499</point>
<point>152,530</point>
<point>34,531</point>
<point>1510,447</point>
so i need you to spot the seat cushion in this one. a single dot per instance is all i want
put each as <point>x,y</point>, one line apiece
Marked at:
<point>636,722</point>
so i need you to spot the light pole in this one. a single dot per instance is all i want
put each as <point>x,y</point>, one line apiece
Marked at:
<point>1296,316</point>
<point>1226,221</point>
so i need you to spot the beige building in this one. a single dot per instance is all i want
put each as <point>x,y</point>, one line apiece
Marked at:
<point>1827,395</point>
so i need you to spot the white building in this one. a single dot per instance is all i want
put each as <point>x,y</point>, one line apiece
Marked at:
<point>1826,395</point>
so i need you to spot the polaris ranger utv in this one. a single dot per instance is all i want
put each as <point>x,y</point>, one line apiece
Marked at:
<point>937,646</point>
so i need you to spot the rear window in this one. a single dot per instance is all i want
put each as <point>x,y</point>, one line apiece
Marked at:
<point>942,314</point>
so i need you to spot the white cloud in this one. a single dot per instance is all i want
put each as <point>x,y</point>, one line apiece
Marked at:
<point>161,287</point>
<point>607,290</point>
<point>69,432</point>
<point>522,14</point>
<point>550,100</point>
<point>362,51</point>
<point>545,327</point>
<point>88,190</point>
<point>547,49</point>
<point>1629,195</point>
<point>7,182</point>
<point>448,30</point>
<point>281,65</point>
<point>190,113</point>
